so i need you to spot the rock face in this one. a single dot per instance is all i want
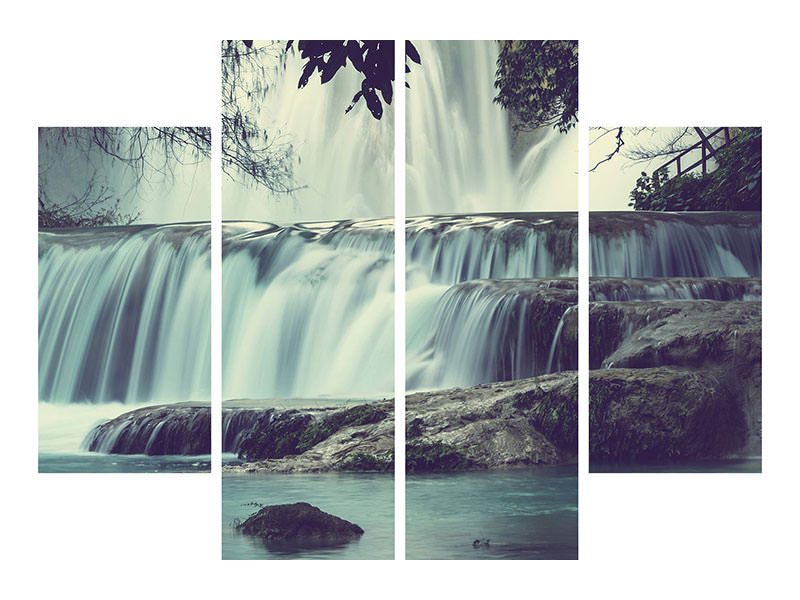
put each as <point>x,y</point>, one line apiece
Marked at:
<point>610,289</point>
<point>155,430</point>
<point>490,426</point>
<point>698,333</point>
<point>659,414</point>
<point>685,374</point>
<point>359,438</point>
<point>498,425</point>
<point>299,525</point>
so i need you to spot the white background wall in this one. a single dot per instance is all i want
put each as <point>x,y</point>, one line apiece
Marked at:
<point>652,536</point>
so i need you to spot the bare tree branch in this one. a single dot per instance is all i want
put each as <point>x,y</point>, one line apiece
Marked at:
<point>619,145</point>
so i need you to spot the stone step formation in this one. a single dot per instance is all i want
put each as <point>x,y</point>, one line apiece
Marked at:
<point>675,338</point>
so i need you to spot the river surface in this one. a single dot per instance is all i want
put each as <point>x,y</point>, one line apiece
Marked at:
<point>366,499</point>
<point>92,462</point>
<point>525,514</point>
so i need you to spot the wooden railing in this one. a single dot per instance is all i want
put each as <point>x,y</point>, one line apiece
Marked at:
<point>707,152</point>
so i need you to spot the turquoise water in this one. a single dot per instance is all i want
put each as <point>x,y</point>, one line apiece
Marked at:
<point>525,514</point>
<point>88,462</point>
<point>366,499</point>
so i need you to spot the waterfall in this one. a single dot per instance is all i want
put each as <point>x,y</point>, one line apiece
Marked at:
<point>485,297</point>
<point>651,244</point>
<point>308,309</point>
<point>343,163</point>
<point>458,141</point>
<point>124,314</point>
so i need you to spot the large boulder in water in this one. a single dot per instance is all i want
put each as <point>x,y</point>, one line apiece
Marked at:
<point>662,414</point>
<point>299,525</point>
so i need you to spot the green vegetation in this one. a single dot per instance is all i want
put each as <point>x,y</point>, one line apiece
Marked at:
<point>554,415</point>
<point>538,81</point>
<point>365,461</point>
<point>290,433</point>
<point>734,185</point>
<point>424,457</point>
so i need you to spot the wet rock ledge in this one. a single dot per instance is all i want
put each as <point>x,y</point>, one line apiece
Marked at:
<point>674,380</point>
<point>492,426</point>
<point>183,428</point>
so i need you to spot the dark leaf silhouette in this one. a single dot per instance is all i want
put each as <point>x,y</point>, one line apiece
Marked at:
<point>311,65</point>
<point>337,60</point>
<point>373,102</point>
<point>355,99</point>
<point>374,59</point>
<point>411,52</point>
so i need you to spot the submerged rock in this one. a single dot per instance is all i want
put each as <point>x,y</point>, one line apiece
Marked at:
<point>154,430</point>
<point>298,525</point>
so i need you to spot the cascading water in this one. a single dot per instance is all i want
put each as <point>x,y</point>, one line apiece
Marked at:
<point>308,309</point>
<point>458,141</point>
<point>343,163</point>
<point>473,312</point>
<point>652,244</point>
<point>124,314</point>
<point>463,326</point>
<point>124,321</point>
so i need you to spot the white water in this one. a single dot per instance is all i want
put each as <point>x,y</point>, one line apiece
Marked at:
<point>458,144</point>
<point>62,427</point>
<point>647,244</point>
<point>469,335</point>
<point>344,162</point>
<point>124,315</point>
<point>308,310</point>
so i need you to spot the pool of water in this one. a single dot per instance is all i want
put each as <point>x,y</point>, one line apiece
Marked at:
<point>91,462</point>
<point>366,499</point>
<point>730,465</point>
<point>62,428</point>
<point>524,514</point>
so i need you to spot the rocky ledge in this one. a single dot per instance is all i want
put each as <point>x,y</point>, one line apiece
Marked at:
<point>674,380</point>
<point>155,430</point>
<point>491,426</point>
<point>299,525</point>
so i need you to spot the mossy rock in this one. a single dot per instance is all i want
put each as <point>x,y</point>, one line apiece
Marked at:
<point>299,525</point>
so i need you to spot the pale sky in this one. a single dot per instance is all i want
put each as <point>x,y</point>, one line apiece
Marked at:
<point>610,183</point>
